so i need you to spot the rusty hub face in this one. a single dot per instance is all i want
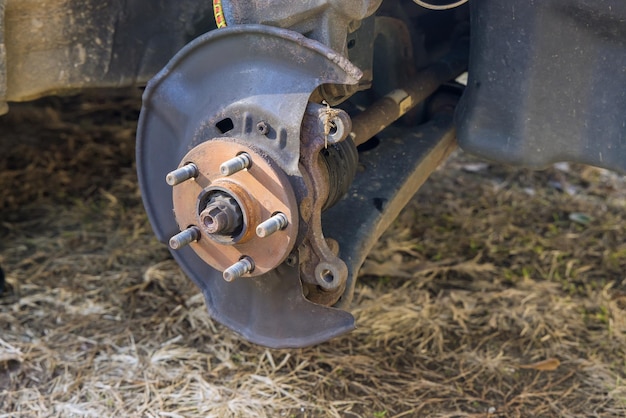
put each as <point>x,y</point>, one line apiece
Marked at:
<point>228,208</point>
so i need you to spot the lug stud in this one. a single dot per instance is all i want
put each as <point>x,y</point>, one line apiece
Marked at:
<point>272,225</point>
<point>237,270</point>
<point>184,173</point>
<point>184,238</point>
<point>234,165</point>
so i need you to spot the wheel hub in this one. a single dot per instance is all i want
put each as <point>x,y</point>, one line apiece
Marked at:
<point>227,206</point>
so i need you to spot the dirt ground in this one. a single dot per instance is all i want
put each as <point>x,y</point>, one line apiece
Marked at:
<point>499,292</point>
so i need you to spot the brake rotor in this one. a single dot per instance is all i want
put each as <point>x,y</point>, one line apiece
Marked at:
<point>242,89</point>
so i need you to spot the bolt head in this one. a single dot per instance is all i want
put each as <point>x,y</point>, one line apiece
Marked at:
<point>214,220</point>
<point>263,128</point>
<point>221,216</point>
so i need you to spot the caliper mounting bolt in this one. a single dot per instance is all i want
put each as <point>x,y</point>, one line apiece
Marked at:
<point>184,173</point>
<point>185,238</point>
<point>274,224</point>
<point>234,165</point>
<point>240,268</point>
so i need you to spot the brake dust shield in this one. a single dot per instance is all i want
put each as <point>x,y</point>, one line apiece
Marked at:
<point>218,87</point>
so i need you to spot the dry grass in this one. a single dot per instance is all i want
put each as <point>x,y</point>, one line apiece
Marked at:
<point>489,269</point>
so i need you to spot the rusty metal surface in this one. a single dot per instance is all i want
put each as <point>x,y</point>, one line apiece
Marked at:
<point>246,74</point>
<point>320,265</point>
<point>260,191</point>
<point>54,46</point>
<point>391,174</point>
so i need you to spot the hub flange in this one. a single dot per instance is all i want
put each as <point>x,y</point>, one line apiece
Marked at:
<point>228,209</point>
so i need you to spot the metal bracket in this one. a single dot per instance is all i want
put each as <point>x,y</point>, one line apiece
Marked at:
<point>391,174</point>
